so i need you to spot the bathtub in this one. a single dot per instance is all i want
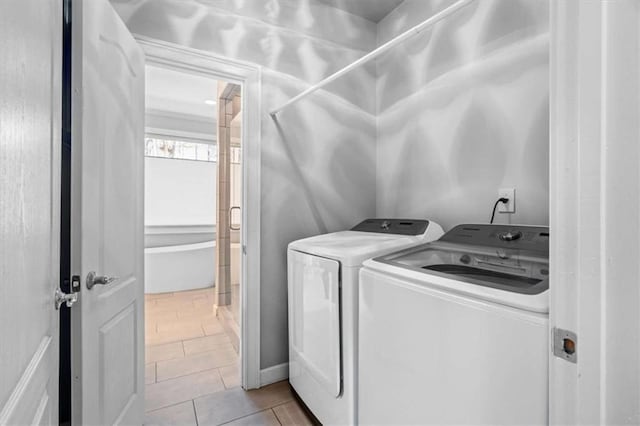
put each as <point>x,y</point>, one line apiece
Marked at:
<point>179,257</point>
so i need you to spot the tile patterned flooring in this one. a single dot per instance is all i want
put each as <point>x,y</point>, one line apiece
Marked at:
<point>192,370</point>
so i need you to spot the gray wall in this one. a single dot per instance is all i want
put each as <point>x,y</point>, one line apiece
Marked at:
<point>459,112</point>
<point>463,110</point>
<point>318,167</point>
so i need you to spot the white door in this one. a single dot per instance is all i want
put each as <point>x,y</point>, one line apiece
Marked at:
<point>30,113</point>
<point>595,210</point>
<point>107,218</point>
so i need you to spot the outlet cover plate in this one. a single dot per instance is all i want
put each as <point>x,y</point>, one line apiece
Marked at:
<point>509,207</point>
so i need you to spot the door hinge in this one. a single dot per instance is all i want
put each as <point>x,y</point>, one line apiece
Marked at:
<point>565,345</point>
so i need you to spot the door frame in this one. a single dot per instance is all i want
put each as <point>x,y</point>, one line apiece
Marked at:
<point>594,187</point>
<point>249,76</point>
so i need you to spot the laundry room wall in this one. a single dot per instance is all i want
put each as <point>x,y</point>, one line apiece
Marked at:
<point>463,110</point>
<point>318,164</point>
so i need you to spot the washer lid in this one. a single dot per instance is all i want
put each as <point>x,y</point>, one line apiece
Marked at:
<point>351,248</point>
<point>505,263</point>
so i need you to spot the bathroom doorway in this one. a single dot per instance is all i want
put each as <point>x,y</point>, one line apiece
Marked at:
<point>248,246</point>
<point>193,234</point>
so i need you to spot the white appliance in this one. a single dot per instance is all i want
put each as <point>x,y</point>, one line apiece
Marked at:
<point>456,331</point>
<point>323,309</point>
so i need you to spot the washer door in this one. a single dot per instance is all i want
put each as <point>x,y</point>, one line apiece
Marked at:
<point>314,319</point>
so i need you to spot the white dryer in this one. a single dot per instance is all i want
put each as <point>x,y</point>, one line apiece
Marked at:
<point>456,331</point>
<point>323,309</point>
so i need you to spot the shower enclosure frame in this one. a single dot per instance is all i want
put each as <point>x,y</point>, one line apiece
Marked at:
<point>248,76</point>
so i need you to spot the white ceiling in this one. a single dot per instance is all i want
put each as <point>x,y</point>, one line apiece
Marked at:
<point>373,10</point>
<point>179,92</point>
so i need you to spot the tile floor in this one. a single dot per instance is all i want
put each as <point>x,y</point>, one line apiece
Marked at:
<point>192,370</point>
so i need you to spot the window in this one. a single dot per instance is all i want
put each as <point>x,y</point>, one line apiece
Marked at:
<point>182,150</point>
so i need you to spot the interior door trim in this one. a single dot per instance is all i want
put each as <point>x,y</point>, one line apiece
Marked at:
<point>249,76</point>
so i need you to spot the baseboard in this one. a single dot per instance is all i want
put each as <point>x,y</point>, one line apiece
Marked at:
<point>274,374</point>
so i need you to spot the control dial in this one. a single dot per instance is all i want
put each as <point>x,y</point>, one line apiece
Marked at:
<point>511,236</point>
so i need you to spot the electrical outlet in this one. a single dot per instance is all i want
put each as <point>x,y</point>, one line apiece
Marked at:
<point>509,207</point>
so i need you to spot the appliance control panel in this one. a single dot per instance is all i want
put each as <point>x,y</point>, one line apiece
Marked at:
<point>393,226</point>
<point>517,237</point>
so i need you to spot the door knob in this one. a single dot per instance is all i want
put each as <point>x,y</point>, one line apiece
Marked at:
<point>93,279</point>
<point>67,299</point>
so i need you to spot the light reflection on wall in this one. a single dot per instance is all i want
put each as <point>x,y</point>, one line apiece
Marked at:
<point>463,110</point>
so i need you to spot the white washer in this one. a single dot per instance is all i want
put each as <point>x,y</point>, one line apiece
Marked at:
<point>456,331</point>
<point>323,309</point>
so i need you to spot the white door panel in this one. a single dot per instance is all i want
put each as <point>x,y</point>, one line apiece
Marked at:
<point>108,113</point>
<point>30,131</point>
